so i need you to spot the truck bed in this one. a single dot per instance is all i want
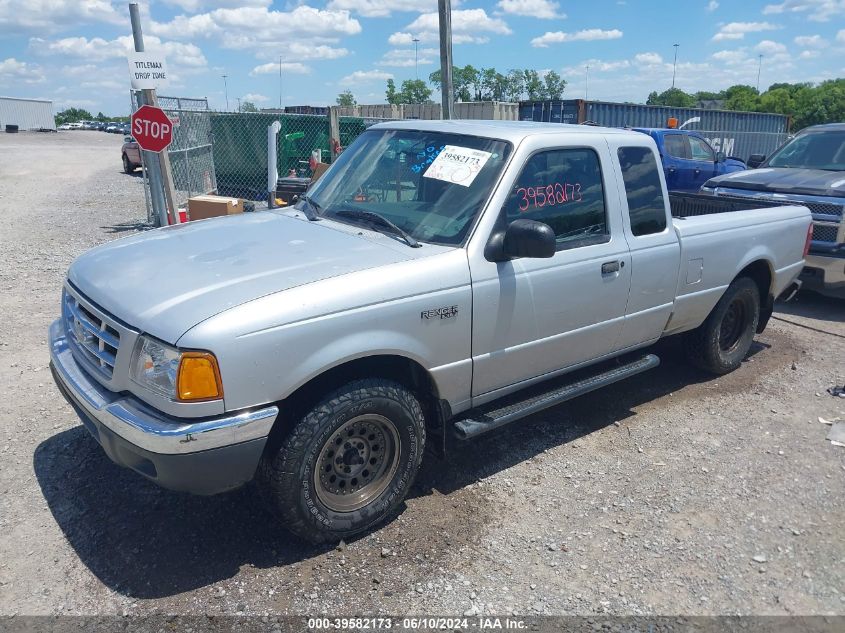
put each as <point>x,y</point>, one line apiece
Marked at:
<point>685,205</point>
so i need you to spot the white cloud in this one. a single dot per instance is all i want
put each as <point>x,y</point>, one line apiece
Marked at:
<point>768,47</point>
<point>364,76</point>
<point>12,69</point>
<point>542,9</point>
<point>383,8</point>
<point>731,58</point>
<point>254,97</point>
<point>811,41</point>
<point>467,24</point>
<point>272,68</point>
<point>648,58</point>
<point>840,36</point>
<point>808,54</point>
<point>258,27</point>
<point>816,10</point>
<point>404,57</point>
<point>52,16</point>
<point>712,6</point>
<point>99,49</point>
<point>192,6</point>
<point>586,35</point>
<point>737,30</point>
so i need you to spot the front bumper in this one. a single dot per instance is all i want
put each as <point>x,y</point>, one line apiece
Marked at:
<point>825,273</point>
<point>202,456</point>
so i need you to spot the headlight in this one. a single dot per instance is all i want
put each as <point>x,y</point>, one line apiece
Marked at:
<point>177,375</point>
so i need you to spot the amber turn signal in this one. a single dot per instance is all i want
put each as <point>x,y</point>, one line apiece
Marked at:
<point>198,377</point>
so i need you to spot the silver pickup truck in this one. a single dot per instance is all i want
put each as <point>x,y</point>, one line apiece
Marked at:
<point>440,280</point>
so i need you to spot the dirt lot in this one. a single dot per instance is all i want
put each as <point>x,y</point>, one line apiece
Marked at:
<point>673,493</point>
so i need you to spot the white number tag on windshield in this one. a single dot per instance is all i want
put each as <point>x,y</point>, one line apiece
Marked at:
<point>458,165</point>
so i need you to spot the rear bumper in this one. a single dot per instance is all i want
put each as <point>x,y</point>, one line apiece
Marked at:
<point>825,274</point>
<point>202,456</point>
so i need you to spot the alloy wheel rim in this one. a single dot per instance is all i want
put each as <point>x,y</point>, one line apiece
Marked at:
<point>357,463</point>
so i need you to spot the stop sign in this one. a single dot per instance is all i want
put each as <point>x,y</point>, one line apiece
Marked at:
<point>151,128</point>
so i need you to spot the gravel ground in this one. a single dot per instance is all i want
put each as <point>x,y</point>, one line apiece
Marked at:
<point>672,493</point>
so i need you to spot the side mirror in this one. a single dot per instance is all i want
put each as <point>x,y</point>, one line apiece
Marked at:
<point>720,157</point>
<point>128,139</point>
<point>755,160</point>
<point>522,238</point>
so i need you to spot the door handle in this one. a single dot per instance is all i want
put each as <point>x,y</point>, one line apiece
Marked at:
<point>611,267</point>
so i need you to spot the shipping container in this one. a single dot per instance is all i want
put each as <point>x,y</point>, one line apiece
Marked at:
<point>27,114</point>
<point>488,110</point>
<point>737,134</point>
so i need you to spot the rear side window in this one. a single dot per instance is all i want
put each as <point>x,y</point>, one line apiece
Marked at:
<point>646,205</point>
<point>676,145</point>
<point>562,188</point>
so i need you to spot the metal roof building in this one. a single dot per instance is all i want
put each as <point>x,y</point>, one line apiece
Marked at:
<point>27,114</point>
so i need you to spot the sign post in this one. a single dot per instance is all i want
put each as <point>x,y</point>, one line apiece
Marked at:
<point>152,71</point>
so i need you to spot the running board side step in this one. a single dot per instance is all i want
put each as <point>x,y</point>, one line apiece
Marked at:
<point>494,416</point>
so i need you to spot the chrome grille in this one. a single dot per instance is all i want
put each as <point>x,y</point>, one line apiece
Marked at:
<point>91,336</point>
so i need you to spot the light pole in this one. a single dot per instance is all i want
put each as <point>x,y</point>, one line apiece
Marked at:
<point>447,98</point>
<point>674,64</point>
<point>280,83</point>
<point>416,41</point>
<point>586,81</point>
<point>759,68</point>
<point>226,92</point>
<point>239,104</point>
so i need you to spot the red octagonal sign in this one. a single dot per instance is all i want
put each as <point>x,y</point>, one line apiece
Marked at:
<point>151,128</point>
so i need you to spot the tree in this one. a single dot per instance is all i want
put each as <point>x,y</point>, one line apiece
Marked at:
<point>346,99</point>
<point>415,91</point>
<point>674,97</point>
<point>71,115</point>
<point>464,81</point>
<point>390,94</point>
<point>248,106</point>
<point>554,85</point>
<point>493,85</point>
<point>533,84</point>
<point>514,85</point>
<point>741,97</point>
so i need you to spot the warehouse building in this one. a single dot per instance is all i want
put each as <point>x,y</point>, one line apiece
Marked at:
<point>27,114</point>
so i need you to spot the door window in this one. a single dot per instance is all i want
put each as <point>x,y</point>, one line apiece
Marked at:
<point>676,145</point>
<point>646,206</point>
<point>562,188</point>
<point>701,150</point>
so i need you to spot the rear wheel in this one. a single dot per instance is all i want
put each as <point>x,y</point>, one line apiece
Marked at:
<point>127,166</point>
<point>348,463</point>
<point>720,343</point>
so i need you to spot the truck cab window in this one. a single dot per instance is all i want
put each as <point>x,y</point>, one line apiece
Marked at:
<point>676,145</point>
<point>646,205</point>
<point>701,150</point>
<point>562,188</point>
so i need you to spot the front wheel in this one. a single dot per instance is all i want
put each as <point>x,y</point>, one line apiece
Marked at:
<point>348,463</point>
<point>720,343</point>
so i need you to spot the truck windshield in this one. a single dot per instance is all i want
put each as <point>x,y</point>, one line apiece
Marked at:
<point>814,150</point>
<point>430,184</point>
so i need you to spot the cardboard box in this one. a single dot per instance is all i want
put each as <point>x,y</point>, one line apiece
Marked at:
<point>202,207</point>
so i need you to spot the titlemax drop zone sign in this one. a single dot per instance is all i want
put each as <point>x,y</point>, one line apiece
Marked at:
<point>147,71</point>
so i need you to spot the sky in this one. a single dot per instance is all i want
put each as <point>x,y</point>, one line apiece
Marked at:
<point>73,52</point>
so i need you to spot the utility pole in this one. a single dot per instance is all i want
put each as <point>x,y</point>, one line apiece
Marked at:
<point>157,165</point>
<point>586,81</point>
<point>239,104</point>
<point>416,41</point>
<point>674,64</point>
<point>226,91</point>
<point>444,9</point>
<point>280,84</point>
<point>759,68</point>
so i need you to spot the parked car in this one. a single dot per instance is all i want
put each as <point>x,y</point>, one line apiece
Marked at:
<point>130,155</point>
<point>688,158</point>
<point>113,128</point>
<point>66,126</point>
<point>430,276</point>
<point>810,170</point>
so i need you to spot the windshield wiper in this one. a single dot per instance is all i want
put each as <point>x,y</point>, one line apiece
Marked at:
<point>310,208</point>
<point>376,218</point>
